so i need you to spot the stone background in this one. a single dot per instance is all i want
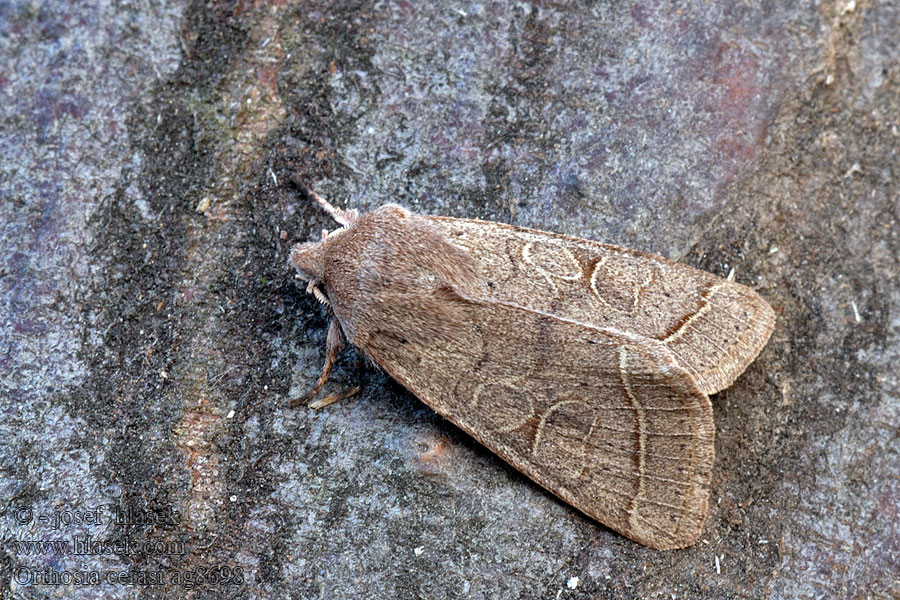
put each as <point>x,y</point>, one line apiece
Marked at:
<point>152,332</point>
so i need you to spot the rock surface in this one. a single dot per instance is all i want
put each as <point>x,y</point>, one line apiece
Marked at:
<point>152,333</point>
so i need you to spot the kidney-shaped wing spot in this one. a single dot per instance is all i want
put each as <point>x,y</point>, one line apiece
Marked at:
<point>620,286</point>
<point>560,441</point>
<point>505,406</point>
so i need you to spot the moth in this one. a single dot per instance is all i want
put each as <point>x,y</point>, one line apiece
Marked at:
<point>585,366</point>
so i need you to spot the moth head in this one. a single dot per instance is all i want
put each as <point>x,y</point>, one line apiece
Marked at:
<point>308,259</point>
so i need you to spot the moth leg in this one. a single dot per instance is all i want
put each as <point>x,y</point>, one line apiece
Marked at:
<point>333,347</point>
<point>331,399</point>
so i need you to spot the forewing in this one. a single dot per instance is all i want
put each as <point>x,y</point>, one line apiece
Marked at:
<point>606,421</point>
<point>714,328</point>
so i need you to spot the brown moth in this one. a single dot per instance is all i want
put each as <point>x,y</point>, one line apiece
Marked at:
<point>585,366</point>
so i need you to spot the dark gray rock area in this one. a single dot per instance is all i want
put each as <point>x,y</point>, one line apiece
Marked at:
<point>152,334</point>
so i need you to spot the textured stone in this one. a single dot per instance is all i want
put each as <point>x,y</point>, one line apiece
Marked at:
<point>153,333</point>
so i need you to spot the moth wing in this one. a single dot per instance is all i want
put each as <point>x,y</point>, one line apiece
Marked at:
<point>607,421</point>
<point>714,328</point>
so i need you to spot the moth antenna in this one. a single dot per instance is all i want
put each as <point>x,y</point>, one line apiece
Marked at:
<point>337,214</point>
<point>343,217</point>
